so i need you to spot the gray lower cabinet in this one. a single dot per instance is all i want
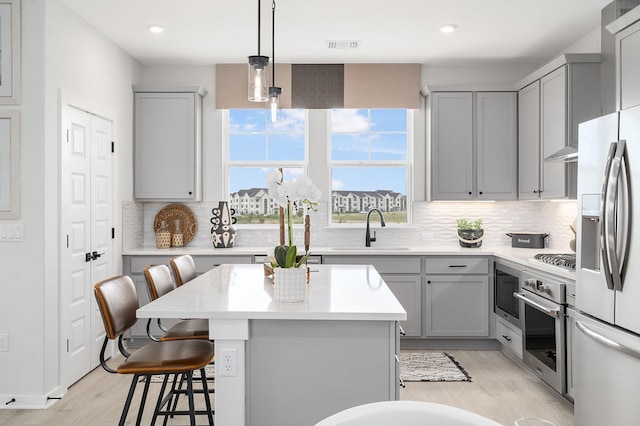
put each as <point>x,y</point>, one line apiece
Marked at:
<point>355,364</point>
<point>457,297</point>
<point>403,276</point>
<point>133,266</point>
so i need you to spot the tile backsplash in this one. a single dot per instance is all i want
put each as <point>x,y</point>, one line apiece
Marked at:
<point>433,224</point>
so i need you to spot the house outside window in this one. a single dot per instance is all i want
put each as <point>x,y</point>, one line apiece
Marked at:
<point>255,147</point>
<point>370,152</point>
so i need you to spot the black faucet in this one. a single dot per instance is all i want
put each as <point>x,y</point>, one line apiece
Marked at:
<point>367,236</point>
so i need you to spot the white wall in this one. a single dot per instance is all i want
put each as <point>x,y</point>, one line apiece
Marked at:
<point>59,51</point>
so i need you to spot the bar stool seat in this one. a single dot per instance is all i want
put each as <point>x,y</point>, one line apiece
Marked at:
<point>168,357</point>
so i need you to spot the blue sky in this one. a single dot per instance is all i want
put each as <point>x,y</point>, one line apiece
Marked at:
<point>356,136</point>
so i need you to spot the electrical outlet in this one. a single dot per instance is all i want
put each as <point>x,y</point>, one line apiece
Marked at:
<point>4,342</point>
<point>228,364</point>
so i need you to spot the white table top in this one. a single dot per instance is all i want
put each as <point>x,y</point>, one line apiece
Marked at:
<point>336,292</point>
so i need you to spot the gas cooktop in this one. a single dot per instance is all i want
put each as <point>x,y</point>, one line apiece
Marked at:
<point>562,260</point>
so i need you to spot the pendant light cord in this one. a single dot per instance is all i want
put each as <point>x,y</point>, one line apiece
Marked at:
<point>273,42</point>
<point>258,27</point>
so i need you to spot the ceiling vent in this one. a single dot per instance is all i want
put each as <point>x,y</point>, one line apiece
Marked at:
<point>343,44</point>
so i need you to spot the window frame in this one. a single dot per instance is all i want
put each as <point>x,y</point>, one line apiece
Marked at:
<point>228,164</point>
<point>408,163</point>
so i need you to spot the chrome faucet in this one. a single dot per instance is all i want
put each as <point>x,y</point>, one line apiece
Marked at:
<point>367,236</point>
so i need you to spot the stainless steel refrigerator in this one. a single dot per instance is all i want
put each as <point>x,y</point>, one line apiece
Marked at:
<point>607,339</point>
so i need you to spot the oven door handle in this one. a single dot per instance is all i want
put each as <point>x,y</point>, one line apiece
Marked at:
<point>549,311</point>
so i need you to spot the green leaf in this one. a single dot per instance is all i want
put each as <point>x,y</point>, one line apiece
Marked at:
<point>280,252</point>
<point>302,261</point>
<point>291,257</point>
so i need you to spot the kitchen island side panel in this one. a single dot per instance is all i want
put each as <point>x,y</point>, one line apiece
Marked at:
<point>299,372</point>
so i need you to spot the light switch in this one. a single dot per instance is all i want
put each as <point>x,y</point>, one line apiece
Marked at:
<point>11,232</point>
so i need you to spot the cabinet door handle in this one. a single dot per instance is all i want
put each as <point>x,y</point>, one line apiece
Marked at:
<point>429,282</point>
<point>457,266</point>
<point>507,338</point>
<point>190,193</point>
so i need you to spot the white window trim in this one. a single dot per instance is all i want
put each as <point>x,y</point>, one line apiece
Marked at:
<point>408,163</point>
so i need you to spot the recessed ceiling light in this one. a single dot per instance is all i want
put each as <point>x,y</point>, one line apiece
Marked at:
<point>156,29</point>
<point>448,28</point>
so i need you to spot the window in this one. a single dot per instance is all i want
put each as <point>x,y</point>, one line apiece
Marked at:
<point>369,160</point>
<point>255,147</point>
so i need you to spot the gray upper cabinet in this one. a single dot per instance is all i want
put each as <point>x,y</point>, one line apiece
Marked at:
<point>474,146</point>
<point>168,143</point>
<point>552,102</point>
<point>627,66</point>
<point>496,145</point>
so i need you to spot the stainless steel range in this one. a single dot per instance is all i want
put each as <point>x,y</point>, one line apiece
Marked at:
<point>562,260</point>
<point>542,310</point>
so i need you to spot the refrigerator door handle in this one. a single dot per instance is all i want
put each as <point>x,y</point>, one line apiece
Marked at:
<point>606,341</point>
<point>611,228</point>
<point>603,216</point>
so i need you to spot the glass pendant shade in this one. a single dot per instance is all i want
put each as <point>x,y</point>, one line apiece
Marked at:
<point>258,78</point>
<point>274,103</point>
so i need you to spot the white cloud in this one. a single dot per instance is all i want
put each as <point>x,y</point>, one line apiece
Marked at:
<point>348,120</point>
<point>336,185</point>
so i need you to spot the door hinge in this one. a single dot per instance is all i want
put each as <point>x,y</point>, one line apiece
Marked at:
<point>67,240</point>
<point>113,146</point>
<point>67,345</point>
<point>113,233</point>
<point>67,135</point>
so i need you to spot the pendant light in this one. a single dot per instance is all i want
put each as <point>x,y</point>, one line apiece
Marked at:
<point>274,92</point>
<point>258,77</point>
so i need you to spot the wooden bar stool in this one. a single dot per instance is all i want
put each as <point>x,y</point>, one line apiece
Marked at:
<point>184,269</point>
<point>118,302</point>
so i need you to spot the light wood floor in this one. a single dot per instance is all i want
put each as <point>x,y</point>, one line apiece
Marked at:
<point>501,390</point>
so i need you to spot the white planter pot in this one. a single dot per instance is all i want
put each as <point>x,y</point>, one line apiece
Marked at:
<point>290,284</point>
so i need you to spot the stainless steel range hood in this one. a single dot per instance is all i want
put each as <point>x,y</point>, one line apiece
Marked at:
<point>568,154</point>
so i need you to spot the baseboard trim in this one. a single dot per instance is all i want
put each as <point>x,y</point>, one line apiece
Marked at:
<point>420,343</point>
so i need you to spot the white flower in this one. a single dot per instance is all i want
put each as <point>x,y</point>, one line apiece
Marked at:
<point>298,191</point>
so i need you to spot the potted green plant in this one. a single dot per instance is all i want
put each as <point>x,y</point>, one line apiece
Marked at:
<point>470,232</point>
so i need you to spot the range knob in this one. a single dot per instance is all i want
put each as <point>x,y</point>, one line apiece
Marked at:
<point>542,287</point>
<point>530,282</point>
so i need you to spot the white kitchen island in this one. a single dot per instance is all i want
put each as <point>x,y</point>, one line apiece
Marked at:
<point>293,363</point>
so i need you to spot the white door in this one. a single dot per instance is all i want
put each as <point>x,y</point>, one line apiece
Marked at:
<point>85,231</point>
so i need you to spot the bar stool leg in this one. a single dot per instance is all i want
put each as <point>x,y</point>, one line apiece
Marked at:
<point>160,398</point>
<point>127,403</point>
<point>143,401</point>
<point>192,413</point>
<point>207,395</point>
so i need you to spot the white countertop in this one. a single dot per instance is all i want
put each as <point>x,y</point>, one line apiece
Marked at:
<point>336,292</point>
<point>520,256</point>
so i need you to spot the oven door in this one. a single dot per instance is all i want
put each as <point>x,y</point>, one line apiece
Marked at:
<point>543,334</point>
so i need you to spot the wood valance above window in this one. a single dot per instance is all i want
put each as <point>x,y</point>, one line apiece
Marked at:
<point>326,86</point>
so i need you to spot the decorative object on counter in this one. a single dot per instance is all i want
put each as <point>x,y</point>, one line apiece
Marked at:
<point>528,239</point>
<point>163,236</point>
<point>470,233</point>
<point>223,231</point>
<point>177,239</point>
<point>173,212</point>
<point>293,195</point>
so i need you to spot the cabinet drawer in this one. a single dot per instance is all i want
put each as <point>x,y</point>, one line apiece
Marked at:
<point>384,265</point>
<point>457,265</point>
<point>509,338</point>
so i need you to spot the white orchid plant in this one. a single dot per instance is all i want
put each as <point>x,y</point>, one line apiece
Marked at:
<point>291,195</point>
